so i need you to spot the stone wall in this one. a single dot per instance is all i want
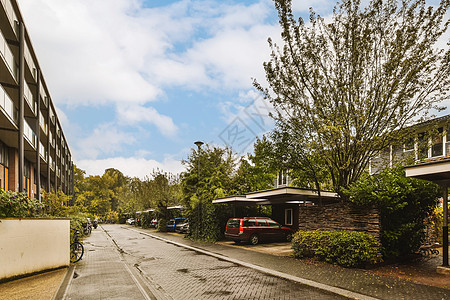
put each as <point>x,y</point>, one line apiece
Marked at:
<point>339,216</point>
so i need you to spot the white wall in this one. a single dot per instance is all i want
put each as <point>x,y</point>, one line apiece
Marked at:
<point>32,245</point>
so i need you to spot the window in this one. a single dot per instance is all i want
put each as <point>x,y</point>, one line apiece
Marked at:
<point>282,178</point>
<point>272,223</point>
<point>437,148</point>
<point>249,223</point>
<point>447,144</point>
<point>423,146</point>
<point>4,155</point>
<point>409,145</point>
<point>262,223</point>
<point>27,169</point>
<point>288,216</point>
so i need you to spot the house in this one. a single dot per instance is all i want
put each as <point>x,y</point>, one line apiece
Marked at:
<point>305,209</point>
<point>34,154</point>
<point>428,141</point>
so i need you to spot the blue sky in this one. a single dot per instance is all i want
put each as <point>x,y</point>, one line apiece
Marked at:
<point>136,82</point>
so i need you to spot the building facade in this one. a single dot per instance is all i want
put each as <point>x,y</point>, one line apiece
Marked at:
<point>428,141</point>
<point>34,155</point>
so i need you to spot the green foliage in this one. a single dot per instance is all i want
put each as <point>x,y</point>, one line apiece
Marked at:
<point>404,203</point>
<point>344,248</point>
<point>434,223</point>
<point>55,204</point>
<point>209,176</point>
<point>257,172</point>
<point>343,90</point>
<point>18,205</point>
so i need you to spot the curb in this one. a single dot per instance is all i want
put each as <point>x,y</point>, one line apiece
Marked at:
<point>62,290</point>
<point>310,283</point>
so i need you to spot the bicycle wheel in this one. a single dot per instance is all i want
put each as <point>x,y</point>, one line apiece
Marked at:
<point>76,251</point>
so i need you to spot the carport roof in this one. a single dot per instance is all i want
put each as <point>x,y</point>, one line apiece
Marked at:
<point>437,170</point>
<point>242,200</point>
<point>279,196</point>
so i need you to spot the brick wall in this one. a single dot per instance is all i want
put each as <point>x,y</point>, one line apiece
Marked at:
<point>339,216</point>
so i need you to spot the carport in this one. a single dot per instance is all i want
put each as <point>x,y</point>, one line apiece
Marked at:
<point>437,171</point>
<point>284,201</point>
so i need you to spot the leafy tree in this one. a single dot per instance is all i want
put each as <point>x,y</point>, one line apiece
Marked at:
<point>344,90</point>
<point>403,203</point>
<point>209,176</point>
<point>258,171</point>
<point>96,198</point>
<point>118,183</point>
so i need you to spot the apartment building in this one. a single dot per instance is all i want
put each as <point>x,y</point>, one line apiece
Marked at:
<point>34,155</point>
<point>428,141</point>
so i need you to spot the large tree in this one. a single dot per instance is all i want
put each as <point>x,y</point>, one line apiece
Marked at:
<point>344,90</point>
<point>209,175</point>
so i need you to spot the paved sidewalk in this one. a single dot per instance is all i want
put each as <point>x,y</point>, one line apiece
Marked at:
<point>356,280</point>
<point>101,255</point>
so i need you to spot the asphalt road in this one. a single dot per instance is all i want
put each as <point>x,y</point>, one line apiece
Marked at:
<point>125,264</point>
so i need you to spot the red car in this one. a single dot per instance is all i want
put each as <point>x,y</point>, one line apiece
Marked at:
<point>256,229</point>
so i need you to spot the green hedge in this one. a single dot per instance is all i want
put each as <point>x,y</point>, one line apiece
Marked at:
<point>344,248</point>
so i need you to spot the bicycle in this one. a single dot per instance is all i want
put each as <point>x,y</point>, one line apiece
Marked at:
<point>87,228</point>
<point>76,248</point>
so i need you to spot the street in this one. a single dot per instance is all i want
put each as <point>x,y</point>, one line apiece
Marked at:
<point>120,263</point>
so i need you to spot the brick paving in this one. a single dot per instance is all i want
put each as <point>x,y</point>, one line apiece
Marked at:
<point>186,274</point>
<point>101,273</point>
<point>356,280</point>
<point>126,262</point>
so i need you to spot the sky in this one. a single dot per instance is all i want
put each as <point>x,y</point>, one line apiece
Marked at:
<point>137,82</point>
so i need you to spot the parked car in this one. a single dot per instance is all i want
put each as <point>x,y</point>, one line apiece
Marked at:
<point>173,222</point>
<point>154,223</point>
<point>256,229</point>
<point>130,221</point>
<point>182,227</point>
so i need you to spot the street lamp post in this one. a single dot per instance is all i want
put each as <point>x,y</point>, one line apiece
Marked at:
<point>199,145</point>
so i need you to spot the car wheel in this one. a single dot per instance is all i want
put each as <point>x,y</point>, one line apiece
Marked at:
<point>254,239</point>
<point>288,237</point>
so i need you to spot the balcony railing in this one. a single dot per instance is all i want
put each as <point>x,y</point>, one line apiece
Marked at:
<point>29,134</point>
<point>6,52</point>
<point>10,13</point>
<point>43,123</point>
<point>51,163</point>
<point>52,116</point>
<point>43,94</point>
<point>29,97</point>
<point>30,61</point>
<point>8,105</point>
<point>42,152</point>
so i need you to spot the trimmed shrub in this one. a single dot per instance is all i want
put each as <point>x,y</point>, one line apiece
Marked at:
<point>344,248</point>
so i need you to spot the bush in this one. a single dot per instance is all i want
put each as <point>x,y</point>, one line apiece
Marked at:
<point>404,204</point>
<point>18,205</point>
<point>344,248</point>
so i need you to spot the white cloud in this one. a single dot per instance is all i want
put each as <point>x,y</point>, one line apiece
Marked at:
<point>138,114</point>
<point>131,166</point>
<point>91,50</point>
<point>106,139</point>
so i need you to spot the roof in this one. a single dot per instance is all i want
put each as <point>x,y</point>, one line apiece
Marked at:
<point>433,170</point>
<point>284,195</point>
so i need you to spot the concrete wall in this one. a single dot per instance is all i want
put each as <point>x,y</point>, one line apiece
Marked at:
<point>339,216</point>
<point>33,245</point>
